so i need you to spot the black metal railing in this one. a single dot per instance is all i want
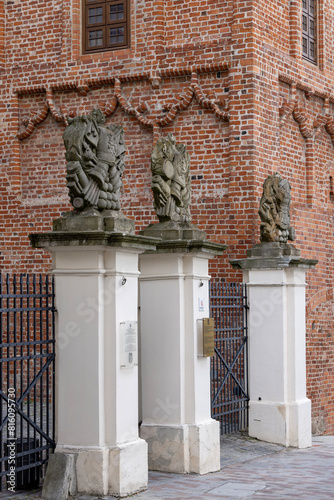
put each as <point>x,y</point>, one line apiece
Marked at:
<point>27,383</point>
<point>229,376</point>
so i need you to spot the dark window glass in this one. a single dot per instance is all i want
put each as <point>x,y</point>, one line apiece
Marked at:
<point>116,35</point>
<point>96,38</point>
<point>106,25</point>
<point>304,45</point>
<point>95,15</point>
<point>116,12</point>
<point>309,27</point>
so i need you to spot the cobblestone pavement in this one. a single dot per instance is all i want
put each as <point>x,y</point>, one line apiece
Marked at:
<point>251,470</point>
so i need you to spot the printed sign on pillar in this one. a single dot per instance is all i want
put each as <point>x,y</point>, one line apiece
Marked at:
<point>129,351</point>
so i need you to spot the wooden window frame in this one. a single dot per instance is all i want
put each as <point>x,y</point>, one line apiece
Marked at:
<point>93,25</point>
<point>106,25</point>
<point>307,37</point>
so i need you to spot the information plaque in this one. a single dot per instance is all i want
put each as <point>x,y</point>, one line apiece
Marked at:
<point>206,337</point>
<point>129,350</point>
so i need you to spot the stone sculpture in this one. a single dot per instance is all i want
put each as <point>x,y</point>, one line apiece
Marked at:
<point>95,162</point>
<point>275,210</point>
<point>170,165</point>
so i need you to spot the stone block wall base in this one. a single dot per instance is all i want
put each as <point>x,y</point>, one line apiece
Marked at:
<point>120,471</point>
<point>286,424</point>
<point>60,478</point>
<point>204,441</point>
<point>183,449</point>
<point>128,468</point>
<point>91,468</point>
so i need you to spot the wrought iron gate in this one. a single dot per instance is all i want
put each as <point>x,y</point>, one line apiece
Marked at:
<point>229,378</point>
<point>27,327</point>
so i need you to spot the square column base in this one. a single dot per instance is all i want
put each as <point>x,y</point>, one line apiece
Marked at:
<point>183,448</point>
<point>286,424</point>
<point>120,471</point>
<point>128,472</point>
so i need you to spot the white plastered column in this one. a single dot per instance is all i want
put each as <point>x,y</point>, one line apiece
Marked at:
<point>279,411</point>
<point>175,381</point>
<point>97,400</point>
<point>96,286</point>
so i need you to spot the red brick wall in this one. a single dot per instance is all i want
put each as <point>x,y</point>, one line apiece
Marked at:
<point>268,110</point>
<point>33,32</point>
<point>292,98</point>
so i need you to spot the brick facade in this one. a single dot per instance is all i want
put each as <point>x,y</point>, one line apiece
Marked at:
<point>227,77</point>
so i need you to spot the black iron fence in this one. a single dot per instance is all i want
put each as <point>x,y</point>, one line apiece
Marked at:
<point>229,376</point>
<point>27,328</point>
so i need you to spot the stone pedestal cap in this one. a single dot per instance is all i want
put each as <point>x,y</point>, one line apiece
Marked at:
<point>181,237</point>
<point>107,229</point>
<point>92,220</point>
<point>55,239</point>
<point>273,255</point>
<point>189,246</point>
<point>171,230</point>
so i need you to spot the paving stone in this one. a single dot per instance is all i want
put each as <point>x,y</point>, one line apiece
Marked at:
<point>240,490</point>
<point>250,469</point>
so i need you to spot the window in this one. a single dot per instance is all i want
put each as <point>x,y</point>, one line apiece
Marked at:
<point>309,25</point>
<point>106,25</point>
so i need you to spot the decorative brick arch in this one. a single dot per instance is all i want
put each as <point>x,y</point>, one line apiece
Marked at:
<point>308,125</point>
<point>181,102</point>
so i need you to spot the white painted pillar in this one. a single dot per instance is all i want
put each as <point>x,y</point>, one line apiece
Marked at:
<point>279,411</point>
<point>175,379</point>
<point>96,286</point>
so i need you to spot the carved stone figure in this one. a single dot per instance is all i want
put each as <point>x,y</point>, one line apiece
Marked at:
<point>275,210</point>
<point>95,162</point>
<point>170,165</point>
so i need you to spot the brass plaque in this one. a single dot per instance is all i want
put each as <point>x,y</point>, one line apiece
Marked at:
<point>208,337</point>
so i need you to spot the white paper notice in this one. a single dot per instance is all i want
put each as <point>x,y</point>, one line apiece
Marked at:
<point>201,305</point>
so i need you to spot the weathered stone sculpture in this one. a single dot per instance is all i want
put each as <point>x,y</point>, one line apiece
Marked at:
<point>95,162</point>
<point>170,165</point>
<point>275,210</point>
<point>274,251</point>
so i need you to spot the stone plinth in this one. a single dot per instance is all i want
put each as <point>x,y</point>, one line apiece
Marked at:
<point>96,283</point>
<point>108,220</point>
<point>279,411</point>
<point>174,231</point>
<point>175,379</point>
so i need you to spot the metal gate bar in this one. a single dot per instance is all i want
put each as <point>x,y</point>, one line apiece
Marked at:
<point>27,337</point>
<point>229,377</point>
